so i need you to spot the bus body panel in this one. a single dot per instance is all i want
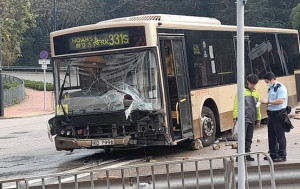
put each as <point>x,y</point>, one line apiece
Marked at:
<point>217,97</point>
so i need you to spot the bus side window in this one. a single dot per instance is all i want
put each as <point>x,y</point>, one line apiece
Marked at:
<point>201,59</point>
<point>204,65</point>
<point>224,57</point>
<point>289,43</point>
<point>259,54</point>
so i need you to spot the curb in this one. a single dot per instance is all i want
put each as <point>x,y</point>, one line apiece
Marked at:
<point>26,116</point>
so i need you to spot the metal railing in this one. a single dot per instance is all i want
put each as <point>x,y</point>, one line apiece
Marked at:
<point>216,172</point>
<point>15,94</point>
<point>30,68</point>
<point>25,68</point>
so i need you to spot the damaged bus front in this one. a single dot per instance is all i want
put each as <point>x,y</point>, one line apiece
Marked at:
<point>108,101</point>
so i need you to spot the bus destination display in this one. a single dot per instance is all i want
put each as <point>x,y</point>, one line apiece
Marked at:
<point>99,39</point>
<point>108,39</point>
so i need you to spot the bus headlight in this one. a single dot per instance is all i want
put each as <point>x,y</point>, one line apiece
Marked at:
<point>62,132</point>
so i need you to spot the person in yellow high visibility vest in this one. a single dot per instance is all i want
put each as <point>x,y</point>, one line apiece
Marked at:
<point>252,111</point>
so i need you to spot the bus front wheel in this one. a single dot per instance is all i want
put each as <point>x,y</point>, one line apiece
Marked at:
<point>208,126</point>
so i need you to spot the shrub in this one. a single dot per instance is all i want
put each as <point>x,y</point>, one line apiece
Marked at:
<point>10,84</point>
<point>38,85</point>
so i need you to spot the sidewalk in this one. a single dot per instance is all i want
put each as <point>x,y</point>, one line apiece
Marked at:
<point>32,105</point>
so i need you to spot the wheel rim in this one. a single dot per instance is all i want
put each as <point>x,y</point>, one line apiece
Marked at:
<point>208,126</point>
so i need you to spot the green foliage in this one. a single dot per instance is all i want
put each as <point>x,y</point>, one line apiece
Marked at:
<point>295,17</point>
<point>116,8</point>
<point>34,42</point>
<point>15,19</point>
<point>10,84</point>
<point>264,13</point>
<point>38,85</point>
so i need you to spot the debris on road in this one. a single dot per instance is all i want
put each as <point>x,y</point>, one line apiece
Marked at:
<point>150,160</point>
<point>216,146</point>
<point>234,145</point>
<point>230,139</point>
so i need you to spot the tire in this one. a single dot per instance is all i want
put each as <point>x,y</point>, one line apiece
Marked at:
<point>209,126</point>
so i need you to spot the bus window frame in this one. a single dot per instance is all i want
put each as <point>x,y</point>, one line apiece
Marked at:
<point>115,51</point>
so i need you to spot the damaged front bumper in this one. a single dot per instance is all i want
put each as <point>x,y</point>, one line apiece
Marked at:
<point>64,143</point>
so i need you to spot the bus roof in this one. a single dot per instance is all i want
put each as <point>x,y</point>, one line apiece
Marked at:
<point>190,22</point>
<point>170,21</point>
<point>166,18</point>
<point>152,22</point>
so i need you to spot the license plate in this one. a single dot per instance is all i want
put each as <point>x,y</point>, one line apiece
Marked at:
<point>103,142</point>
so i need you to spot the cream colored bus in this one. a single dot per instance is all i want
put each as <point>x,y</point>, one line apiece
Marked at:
<point>158,79</point>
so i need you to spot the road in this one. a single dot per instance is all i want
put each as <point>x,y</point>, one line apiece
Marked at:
<point>33,76</point>
<point>26,150</point>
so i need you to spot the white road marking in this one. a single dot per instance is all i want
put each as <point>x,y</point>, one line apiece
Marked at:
<point>121,164</point>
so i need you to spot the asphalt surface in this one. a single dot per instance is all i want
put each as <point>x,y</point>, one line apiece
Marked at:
<point>26,151</point>
<point>33,76</point>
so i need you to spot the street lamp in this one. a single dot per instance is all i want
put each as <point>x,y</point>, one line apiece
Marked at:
<point>240,95</point>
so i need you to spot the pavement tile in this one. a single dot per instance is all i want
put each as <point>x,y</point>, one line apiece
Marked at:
<point>32,105</point>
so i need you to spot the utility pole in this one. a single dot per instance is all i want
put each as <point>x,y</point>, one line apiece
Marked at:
<point>1,83</point>
<point>240,92</point>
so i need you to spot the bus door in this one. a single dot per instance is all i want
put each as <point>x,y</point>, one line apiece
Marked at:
<point>177,88</point>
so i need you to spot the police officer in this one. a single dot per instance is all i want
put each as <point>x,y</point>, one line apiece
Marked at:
<point>277,101</point>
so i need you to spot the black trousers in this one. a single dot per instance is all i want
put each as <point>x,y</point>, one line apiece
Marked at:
<point>276,136</point>
<point>248,136</point>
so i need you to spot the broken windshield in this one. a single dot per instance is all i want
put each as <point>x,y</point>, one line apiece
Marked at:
<point>108,83</point>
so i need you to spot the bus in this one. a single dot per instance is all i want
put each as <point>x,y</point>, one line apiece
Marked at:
<point>158,79</point>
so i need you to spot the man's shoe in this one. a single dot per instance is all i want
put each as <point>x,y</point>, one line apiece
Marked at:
<point>249,158</point>
<point>279,159</point>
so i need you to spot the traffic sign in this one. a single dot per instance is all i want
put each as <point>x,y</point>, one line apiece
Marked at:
<point>44,61</point>
<point>44,66</point>
<point>43,54</point>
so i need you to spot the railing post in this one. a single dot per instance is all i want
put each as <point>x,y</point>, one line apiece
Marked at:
<point>229,174</point>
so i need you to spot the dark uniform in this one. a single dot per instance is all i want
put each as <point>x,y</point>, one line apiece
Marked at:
<point>276,134</point>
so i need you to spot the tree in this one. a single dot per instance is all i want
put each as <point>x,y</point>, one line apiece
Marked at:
<point>263,13</point>
<point>295,17</point>
<point>71,13</point>
<point>16,18</point>
<point>121,8</point>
